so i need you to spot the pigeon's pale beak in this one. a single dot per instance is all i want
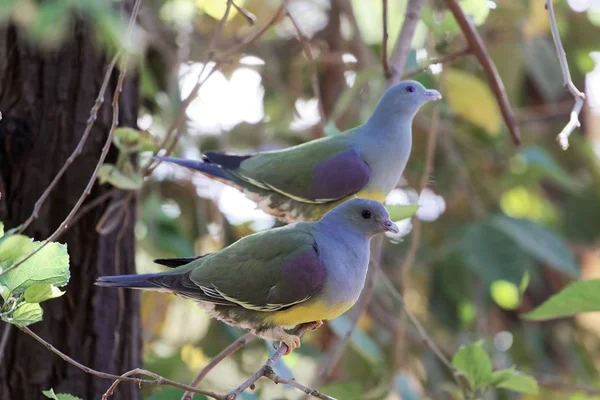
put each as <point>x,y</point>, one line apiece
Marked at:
<point>432,95</point>
<point>390,226</point>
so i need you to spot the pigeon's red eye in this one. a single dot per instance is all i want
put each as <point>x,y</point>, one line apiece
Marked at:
<point>410,89</point>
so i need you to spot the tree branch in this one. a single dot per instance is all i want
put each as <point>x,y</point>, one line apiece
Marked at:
<point>158,380</point>
<point>439,60</point>
<point>478,49</point>
<point>404,40</point>
<point>267,371</point>
<point>563,136</point>
<point>384,42</point>
<point>229,350</point>
<point>314,76</point>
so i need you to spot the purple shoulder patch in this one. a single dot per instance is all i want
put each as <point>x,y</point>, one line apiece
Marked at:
<point>339,176</point>
<point>302,275</point>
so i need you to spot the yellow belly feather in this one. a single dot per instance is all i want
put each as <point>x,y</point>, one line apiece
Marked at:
<point>307,312</point>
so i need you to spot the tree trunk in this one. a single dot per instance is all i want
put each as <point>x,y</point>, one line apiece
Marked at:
<point>45,100</point>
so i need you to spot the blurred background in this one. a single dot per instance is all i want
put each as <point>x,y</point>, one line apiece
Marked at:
<point>499,229</point>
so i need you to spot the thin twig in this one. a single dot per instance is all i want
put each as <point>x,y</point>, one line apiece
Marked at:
<point>78,149</point>
<point>175,128</point>
<point>268,365</point>
<point>105,149</point>
<point>229,350</point>
<point>563,136</point>
<point>478,49</point>
<point>384,42</point>
<point>314,76</point>
<point>415,237</point>
<point>158,380</point>
<point>402,46</point>
<point>420,329</point>
<point>439,60</point>
<point>251,18</point>
<point>270,373</point>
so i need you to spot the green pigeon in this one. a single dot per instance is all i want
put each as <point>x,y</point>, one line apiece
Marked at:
<point>304,272</point>
<point>303,182</point>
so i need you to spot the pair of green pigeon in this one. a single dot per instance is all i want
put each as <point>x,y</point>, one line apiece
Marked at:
<point>331,191</point>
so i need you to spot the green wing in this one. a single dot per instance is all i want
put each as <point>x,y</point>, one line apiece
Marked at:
<point>319,171</point>
<point>268,271</point>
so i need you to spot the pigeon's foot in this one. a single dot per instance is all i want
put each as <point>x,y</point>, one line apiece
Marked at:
<point>279,334</point>
<point>313,326</point>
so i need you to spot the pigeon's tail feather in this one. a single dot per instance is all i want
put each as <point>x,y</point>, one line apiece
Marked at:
<point>127,281</point>
<point>204,167</point>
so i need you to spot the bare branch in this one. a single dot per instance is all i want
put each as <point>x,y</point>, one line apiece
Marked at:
<point>402,46</point>
<point>158,380</point>
<point>251,18</point>
<point>384,42</point>
<point>440,60</point>
<point>478,49</point>
<point>314,76</point>
<point>267,371</point>
<point>563,136</point>
<point>415,237</point>
<point>229,350</point>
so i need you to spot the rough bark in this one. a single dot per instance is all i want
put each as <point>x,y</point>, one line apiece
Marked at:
<point>45,99</point>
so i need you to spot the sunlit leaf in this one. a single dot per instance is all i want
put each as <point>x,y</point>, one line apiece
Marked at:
<point>475,363</point>
<point>41,292</point>
<point>14,248</point>
<point>61,396</point>
<point>50,265</point>
<point>539,242</point>
<point>400,212</point>
<point>505,294</point>
<point>501,375</point>
<point>577,297</point>
<point>519,382</point>
<point>472,99</point>
<point>25,314</point>
<point>216,8</point>
<point>130,140</point>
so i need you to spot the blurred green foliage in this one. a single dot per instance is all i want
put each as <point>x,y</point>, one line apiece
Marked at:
<point>514,227</point>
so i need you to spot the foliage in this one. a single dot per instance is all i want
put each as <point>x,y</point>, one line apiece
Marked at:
<point>60,396</point>
<point>502,229</point>
<point>35,280</point>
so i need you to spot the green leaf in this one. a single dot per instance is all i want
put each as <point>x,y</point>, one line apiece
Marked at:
<point>472,99</point>
<point>1,229</point>
<point>130,140</point>
<point>61,396</point>
<point>50,265</point>
<point>475,364</point>
<point>41,292</point>
<point>501,375</point>
<point>126,178</point>
<point>25,314</point>
<point>400,212</point>
<point>538,242</point>
<point>13,249</point>
<point>359,339</point>
<point>519,382</point>
<point>578,297</point>
<point>492,255</point>
<point>505,294</point>
<point>543,163</point>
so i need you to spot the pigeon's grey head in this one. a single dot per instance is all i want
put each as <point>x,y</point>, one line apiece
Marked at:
<point>407,97</point>
<point>368,216</point>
